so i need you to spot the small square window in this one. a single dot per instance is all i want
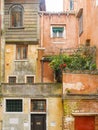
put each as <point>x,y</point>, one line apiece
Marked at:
<point>30,79</point>
<point>58,32</point>
<point>14,105</point>
<point>38,105</point>
<point>12,79</point>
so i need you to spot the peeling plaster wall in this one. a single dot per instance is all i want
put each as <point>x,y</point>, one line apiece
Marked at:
<point>20,68</point>
<point>22,120</point>
<point>80,83</point>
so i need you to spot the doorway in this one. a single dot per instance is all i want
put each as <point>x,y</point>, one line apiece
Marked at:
<point>38,121</point>
<point>85,123</point>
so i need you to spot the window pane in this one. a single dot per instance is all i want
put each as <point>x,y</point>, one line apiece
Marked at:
<point>54,34</point>
<point>14,105</point>
<point>13,19</point>
<point>60,34</point>
<point>30,79</point>
<point>24,52</point>
<point>18,53</point>
<point>21,52</point>
<point>12,79</point>
<point>57,31</point>
<point>38,105</point>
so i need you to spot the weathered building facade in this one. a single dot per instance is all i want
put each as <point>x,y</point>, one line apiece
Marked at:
<point>30,98</point>
<point>80,94</point>
<point>56,35</point>
<point>86,13</point>
<point>27,103</point>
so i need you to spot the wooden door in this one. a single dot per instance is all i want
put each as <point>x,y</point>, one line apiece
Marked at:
<point>84,123</point>
<point>38,122</point>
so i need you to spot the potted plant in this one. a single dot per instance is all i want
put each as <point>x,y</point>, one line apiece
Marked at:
<point>58,65</point>
<point>78,61</point>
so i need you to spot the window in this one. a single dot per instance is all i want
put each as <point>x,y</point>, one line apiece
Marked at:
<point>81,24</point>
<point>58,32</point>
<point>12,79</point>
<point>38,105</point>
<point>21,52</point>
<point>14,105</point>
<point>30,79</point>
<point>16,16</point>
<point>71,4</point>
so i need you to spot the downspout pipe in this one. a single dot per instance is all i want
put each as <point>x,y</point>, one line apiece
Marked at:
<point>42,69</point>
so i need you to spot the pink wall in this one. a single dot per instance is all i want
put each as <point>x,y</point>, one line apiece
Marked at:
<point>70,39</point>
<point>80,83</point>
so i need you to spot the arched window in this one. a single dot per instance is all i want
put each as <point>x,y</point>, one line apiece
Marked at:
<point>16,16</point>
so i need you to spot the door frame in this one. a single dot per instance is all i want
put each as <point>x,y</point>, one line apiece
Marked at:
<point>36,113</point>
<point>93,116</point>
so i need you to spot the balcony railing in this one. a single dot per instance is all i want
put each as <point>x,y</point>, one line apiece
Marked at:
<point>33,90</point>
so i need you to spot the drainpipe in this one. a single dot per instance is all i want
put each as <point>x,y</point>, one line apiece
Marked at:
<point>42,69</point>
<point>41,30</point>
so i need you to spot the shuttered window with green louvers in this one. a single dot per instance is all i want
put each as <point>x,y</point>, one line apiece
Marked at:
<point>58,31</point>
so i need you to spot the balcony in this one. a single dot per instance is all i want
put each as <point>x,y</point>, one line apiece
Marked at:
<point>32,90</point>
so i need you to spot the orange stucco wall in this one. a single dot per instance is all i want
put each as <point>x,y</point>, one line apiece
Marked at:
<point>90,21</point>
<point>70,39</point>
<point>90,24</point>
<point>80,83</point>
<point>51,45</point>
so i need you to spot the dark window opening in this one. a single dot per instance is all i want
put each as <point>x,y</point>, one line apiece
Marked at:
<point>12,79</point>
<point>30,79</point>
<point>16,16</point>
<point>14,105</point>
<point>38,105</point>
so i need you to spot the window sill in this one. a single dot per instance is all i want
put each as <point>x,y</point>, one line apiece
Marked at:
<point>14,112</point>
<point>58,42</point>
<point>21,60</point>
<point>56,37</point>
<point>16,28</point>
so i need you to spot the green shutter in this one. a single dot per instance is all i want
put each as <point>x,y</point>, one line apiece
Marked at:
<point>58,29</point>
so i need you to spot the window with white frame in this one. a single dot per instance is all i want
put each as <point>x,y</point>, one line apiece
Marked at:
<point>30,79</point>
<point>57,32</point>
<point>12,79</point>
<point>21,52</point>
<point>13,105</point>
<point>38,105</point>
<point>71,4</point>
